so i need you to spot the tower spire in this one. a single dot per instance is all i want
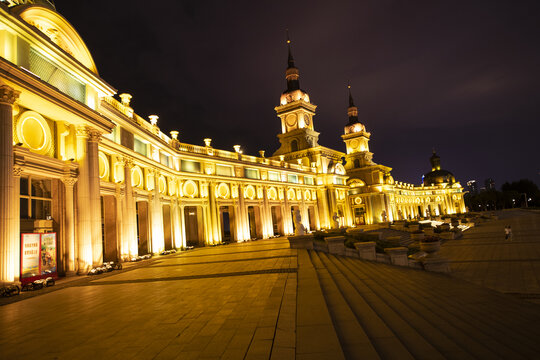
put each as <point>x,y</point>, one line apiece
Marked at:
<point>291,74</point>
<point>352,110</point>
<point>290,60</point>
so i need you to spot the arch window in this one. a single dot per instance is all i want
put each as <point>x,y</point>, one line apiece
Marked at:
<point>294,145</point>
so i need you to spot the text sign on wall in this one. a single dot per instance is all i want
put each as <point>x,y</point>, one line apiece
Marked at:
<point>30,251</point>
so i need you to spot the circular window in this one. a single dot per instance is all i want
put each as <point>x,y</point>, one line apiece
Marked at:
<point>222,191</point>
<point>103,167</point>
<point>136,176</point>
<point>190,188</point>
<point>162,184</point>
<point>307,195</point>
<point>290,194</point>
<point>358,200</point>
<point>249,192</point>
<point>272,193</point>
<point>34,132</point>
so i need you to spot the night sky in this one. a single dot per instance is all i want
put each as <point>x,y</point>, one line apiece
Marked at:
<point>458,76</point>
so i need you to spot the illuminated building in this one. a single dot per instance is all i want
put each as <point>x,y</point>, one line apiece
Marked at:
<point>111,185</point>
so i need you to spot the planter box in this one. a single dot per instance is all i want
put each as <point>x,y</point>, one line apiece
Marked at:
<point>366,250</point>
<point>398,256</point>
<point>320,246</point>
<point>436,264</point>
<point>351,253</point>
<point>428,231</point>
<point>301,241</point>
<point>414,227</point>
<point>418,237</point>
<point>336,245</point>
<point>383,258</point>
<point>430,247</point>
<point>354,231</point>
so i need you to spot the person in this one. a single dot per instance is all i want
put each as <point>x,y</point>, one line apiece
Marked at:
<point>508,233</point>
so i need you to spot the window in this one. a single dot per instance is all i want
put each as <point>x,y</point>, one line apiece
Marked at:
<point>294,145</point>
<point>224,170</point>
<point>251,173</point>
<point>35,198</point>
<point>273,176</point>
<point>356,163</point>
<point>126,138</point>
<point>57,77</point>
<point>292,178</point>
<point>338,181</point>
<point>190,166</point>
<point>164,159</point>
<point>308,180</point>
<point>140,146</point>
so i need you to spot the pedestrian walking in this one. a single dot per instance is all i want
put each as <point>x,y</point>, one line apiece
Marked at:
<point>508,233</point>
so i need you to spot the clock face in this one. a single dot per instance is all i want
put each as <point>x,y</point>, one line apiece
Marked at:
<point>291,120</point>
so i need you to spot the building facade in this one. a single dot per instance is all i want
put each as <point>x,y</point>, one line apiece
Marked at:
<point>111,185</point>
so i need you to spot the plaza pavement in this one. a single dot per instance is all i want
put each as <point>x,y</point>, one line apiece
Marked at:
<point>263,300</point>
<point>484,257</point>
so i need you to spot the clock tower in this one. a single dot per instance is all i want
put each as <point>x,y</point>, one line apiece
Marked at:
<point>296,114</point>
<point>356,139</point>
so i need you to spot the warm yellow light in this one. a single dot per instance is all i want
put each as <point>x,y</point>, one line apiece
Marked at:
<point>153,119</point>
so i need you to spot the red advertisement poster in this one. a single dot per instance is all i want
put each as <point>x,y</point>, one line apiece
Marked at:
<point>30,249</point>
<point>38,256</point>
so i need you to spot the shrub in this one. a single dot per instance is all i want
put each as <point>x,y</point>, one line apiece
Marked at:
<point>429,239</point>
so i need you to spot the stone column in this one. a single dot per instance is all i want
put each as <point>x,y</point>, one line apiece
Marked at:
<point>324,212</point>
<point>214,214</point>
<point>69,223</point>
<point>95,197</point>
<point>243,221</point>
<point>268,226</point>
<point>183,226</point>
<point>177,230</point>
<point>129,238</point>
<point>158,241</point>
<point>84,205</point>
<point>9,234</point>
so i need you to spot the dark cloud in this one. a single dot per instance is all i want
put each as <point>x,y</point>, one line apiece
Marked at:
<point>459,76</point>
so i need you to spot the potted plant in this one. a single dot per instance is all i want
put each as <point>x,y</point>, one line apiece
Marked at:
<point>417,235</point>
<point>430,244</point>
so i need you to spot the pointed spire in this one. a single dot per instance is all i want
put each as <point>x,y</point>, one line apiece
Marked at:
<point>351,101</point>
<point>290,60</point>
<point>291,74</point>
<point>352,110</point>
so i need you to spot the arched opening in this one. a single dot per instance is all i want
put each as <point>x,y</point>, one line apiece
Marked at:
<point>356,163</point>
<point>294,145</point>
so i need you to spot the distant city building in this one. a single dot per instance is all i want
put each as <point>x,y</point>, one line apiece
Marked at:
<point>489,184</point>
<point>107,185</point>
<point>472,186</point>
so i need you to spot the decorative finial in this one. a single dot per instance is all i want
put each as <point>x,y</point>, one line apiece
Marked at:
<point>351,101</point>
<point>290,60</point>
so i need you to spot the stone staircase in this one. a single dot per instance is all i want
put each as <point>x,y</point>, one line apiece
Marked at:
<point>405,237</point>
<point>353,309</point>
